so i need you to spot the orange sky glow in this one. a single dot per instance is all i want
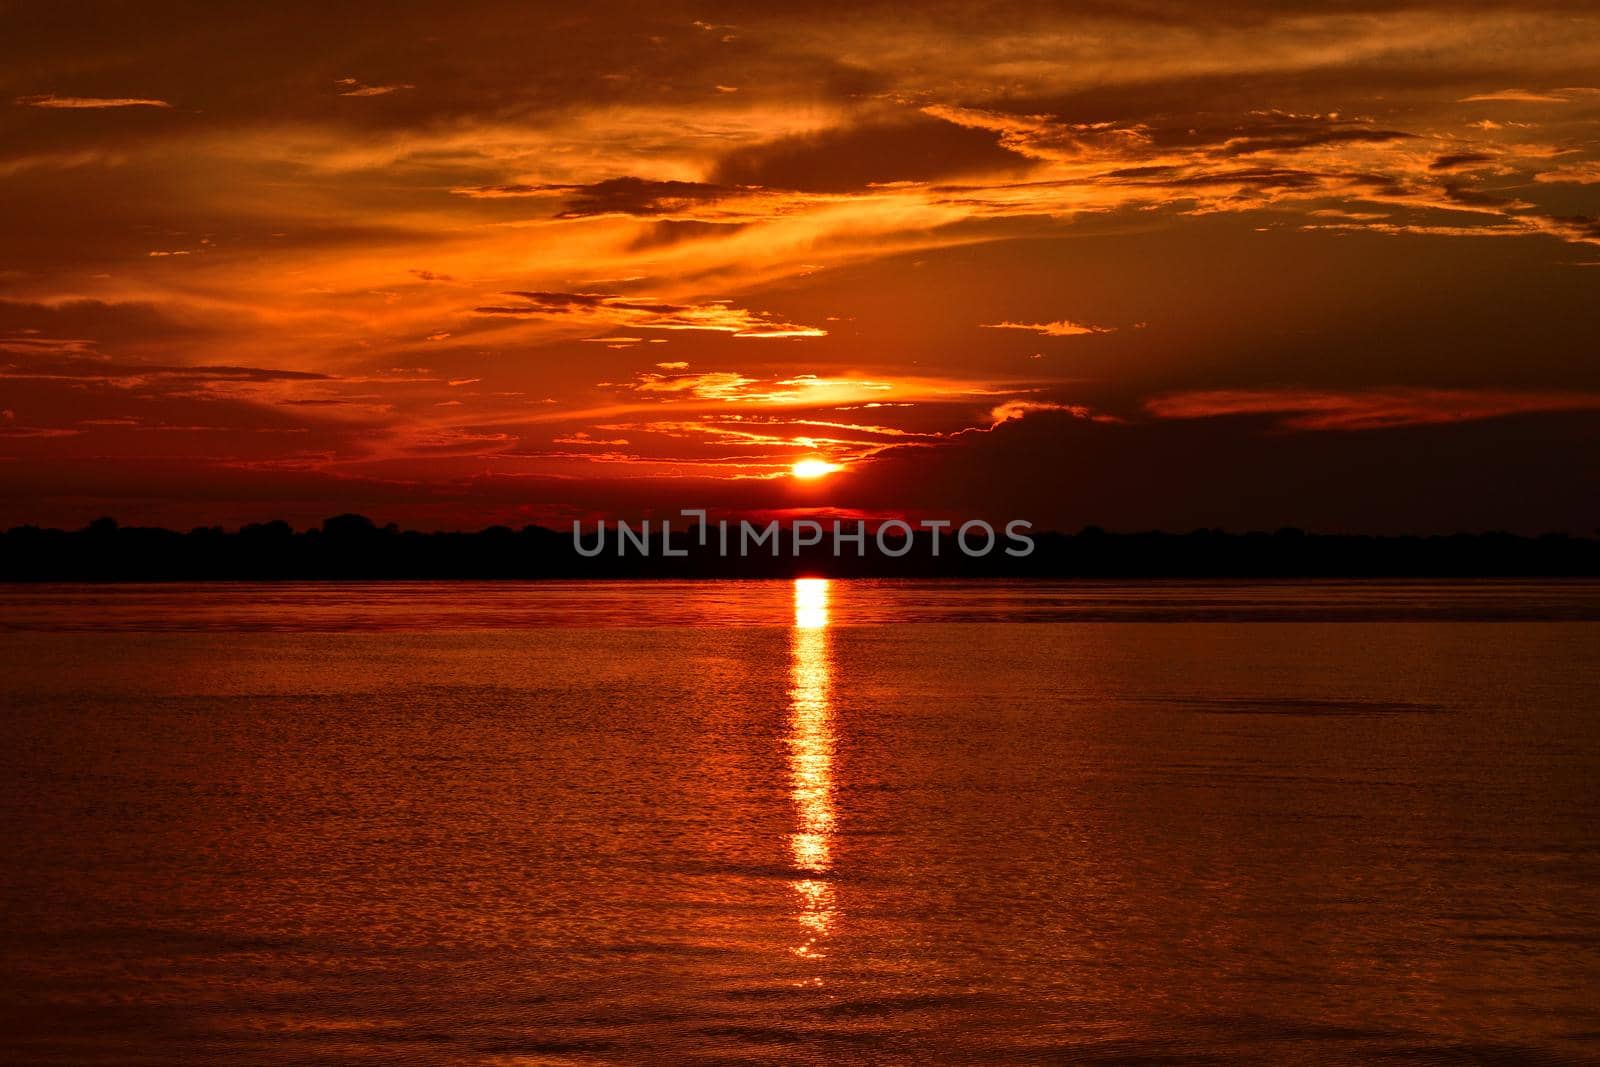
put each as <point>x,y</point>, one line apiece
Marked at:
<point>1246,264</point>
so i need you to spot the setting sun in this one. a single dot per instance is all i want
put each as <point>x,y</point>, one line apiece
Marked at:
<point>813,468</point>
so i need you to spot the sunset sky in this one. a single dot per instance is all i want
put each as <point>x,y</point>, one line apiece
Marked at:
<point>1315,264</point>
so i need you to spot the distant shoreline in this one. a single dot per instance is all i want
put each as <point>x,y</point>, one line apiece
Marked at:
<point>352,548</point>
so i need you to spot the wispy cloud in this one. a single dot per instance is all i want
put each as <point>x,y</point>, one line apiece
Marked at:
<point>647,313</point>
<point>50,100</point>
<point>1518,96</point>
<point>1586,173</point>
<point>1016,409</point>
<point>1375,409</point>
<point>353,87</point>
<point>1059,328</point>
<point>1529,96</point>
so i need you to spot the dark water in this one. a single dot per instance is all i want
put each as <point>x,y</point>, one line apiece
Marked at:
<point>775,822</point>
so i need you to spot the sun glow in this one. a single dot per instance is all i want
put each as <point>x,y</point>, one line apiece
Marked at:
<point>813,468</point>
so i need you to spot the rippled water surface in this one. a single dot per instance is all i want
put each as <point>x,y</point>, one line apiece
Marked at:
<point>800,822</point>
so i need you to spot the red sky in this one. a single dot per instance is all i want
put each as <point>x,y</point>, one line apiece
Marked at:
<point>1239,264</point>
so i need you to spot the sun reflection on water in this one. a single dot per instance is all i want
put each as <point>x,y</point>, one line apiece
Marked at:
<point>811,743</point>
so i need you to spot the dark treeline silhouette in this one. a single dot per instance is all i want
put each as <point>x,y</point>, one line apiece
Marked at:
<point>353,547</point>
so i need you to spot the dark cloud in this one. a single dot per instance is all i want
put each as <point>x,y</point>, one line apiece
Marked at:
<point>614,196</point>
<point>675,231</point>
<point>105,322</point>
<point>1295,140</point>
<point>1064,472</point>
<point>542,303</point>
<point>1459,159</point>
<point>104,370</point>
<point>636,196</point>
<point>1257,131</point>
<point>1261,177</point>
<point>852,158</point>
<point>1460,194</point>
<point>1581,227</point>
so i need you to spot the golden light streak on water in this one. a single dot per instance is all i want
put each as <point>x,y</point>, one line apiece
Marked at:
<point>811,745</point>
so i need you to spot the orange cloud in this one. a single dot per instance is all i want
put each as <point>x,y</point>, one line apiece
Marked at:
<point>1303,409</point>
<point>352,87</point>
<point>1016,409</point>
<point>1586,173</point>
<point>1525,96</point>
<point>50,100</point>
<point>647,313</point>
<point>1059,328</point>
